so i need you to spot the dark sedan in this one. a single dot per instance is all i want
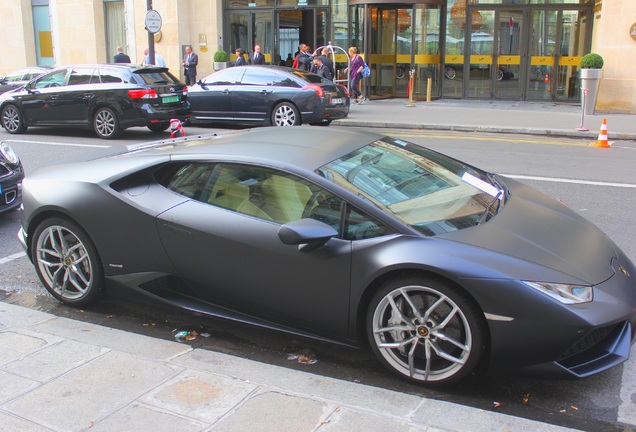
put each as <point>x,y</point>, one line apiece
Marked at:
<point>11,176</point>
<point>345,236</point>
<point>267,95</point>
<point>20,77</point>
<point>107,98</point>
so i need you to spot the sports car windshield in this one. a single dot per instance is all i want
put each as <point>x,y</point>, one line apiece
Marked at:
<point>432,193</point>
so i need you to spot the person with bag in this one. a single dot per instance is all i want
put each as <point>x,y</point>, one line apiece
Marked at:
<point>355,73</point>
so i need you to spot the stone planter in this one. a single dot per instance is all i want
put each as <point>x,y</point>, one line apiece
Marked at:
<point>219,65</point>
<point>590,80</point>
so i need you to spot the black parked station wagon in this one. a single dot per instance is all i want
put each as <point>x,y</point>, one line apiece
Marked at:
<point>108,98</point>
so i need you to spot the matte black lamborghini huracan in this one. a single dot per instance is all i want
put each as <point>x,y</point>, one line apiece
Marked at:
<point>345,236</point>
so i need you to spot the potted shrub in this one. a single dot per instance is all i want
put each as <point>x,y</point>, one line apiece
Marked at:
<point>220,60</point>
<point>591,74</point>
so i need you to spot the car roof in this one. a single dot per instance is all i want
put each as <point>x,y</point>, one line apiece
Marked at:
<point>304,147</point>
<point>131,67</point>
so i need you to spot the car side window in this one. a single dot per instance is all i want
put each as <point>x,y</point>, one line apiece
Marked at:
<point>190,180</point>
<point>80,76</point>
<point>360,226</point>
<point>53,79</point>
<point>109,76</point>
<point>258,77</point>
<point>229,76</point>
<point>281,80</point>
<point>17,76</point>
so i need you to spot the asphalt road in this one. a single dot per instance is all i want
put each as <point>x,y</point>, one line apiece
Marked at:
<point>598,183</point>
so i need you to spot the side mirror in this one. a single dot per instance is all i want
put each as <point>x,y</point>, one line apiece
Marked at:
<point>306,231</point>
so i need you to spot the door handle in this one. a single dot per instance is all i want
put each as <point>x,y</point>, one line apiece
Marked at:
<point>88,95</point>
<point>179,231</point>
<point>264,92</point>
<point>54,97</point>
<point>226,91</point>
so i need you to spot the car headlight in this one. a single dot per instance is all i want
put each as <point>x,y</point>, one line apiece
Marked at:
<point>567,294</point>
<point>7,152</point>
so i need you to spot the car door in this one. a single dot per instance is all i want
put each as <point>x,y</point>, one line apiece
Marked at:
<point>211,100</point>
<point>40,100</point>
<point>74,101</point>
<point>254,98</point>
<point>225,243</point>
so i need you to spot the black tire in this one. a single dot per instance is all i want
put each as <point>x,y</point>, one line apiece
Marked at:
<point>500,74</point>
<point>106,124</point>
<point>67,262</point>
<point>449,72</point>
<point>426,330</point>
<point>285,114</point>
<point>158,127</point>
<point>12,120</point>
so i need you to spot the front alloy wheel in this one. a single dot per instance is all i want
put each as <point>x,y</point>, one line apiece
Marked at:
<point>106,124</point>
<point>425,330</point>
<point>12,120</point>
<point>285,114</point>
<point>67,262</point>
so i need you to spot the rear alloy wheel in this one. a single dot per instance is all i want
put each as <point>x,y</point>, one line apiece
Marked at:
<point>285,114</point>
<point>106,124</point>
<point>158,127</point>
<point>449,72</point>
<point>66,262</point>
<point>12,120</point>
<point>425,330</point>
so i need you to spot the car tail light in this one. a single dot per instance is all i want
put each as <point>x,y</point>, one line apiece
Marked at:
<point>185,90</point>
<point>317,88</point>
<point>142,94</point>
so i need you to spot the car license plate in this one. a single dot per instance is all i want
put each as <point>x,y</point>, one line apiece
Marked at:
<point>337,101</point>
<point>170,99</point>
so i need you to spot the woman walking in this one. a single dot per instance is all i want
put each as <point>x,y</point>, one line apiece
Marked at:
<point>355,73</point>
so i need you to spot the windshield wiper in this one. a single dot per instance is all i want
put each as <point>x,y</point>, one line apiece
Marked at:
<point>486,212</point>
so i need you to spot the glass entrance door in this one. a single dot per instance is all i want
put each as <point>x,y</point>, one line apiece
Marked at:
<point>382,51</point>
<point>508,77</point>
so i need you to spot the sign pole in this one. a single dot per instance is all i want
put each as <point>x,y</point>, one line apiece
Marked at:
<point>582,128</point>
<point>151,38</point>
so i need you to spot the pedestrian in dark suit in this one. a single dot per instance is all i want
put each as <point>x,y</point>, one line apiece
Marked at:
<point>320,69</point>
<point>120,57</point>
<point>190,62</point>
<point>240,60</point>
<point>327,61</point>
<point>256,58</point>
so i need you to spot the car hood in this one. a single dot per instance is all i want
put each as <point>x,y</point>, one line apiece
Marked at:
<point>539,229</point>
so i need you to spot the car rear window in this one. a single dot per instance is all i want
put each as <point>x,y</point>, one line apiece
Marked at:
<point>157,77</point>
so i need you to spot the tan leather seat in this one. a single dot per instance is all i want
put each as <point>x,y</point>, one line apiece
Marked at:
<point>236,197</point>
<point>285,198</point>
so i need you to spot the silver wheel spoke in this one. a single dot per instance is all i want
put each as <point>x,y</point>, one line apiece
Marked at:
<point>445,355</point>
<point>412,360</point>
<point>397,311</point>
<point>414,309</point>
<point>405,327</point>
<point>445,338</point>
<point>398,345</point>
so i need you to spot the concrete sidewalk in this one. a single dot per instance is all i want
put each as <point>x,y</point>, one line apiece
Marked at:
<point>533,118</point>
<point>58,374</point>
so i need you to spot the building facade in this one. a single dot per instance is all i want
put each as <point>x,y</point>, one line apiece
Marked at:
<point>525,50</point>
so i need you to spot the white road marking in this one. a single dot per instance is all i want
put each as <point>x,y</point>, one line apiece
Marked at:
<point>10,258</point>
<point>562,180</point>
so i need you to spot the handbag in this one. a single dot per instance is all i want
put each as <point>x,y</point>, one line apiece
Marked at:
<point>365,72</point>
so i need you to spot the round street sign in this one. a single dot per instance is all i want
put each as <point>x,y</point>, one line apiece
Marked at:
<point>153,21</point>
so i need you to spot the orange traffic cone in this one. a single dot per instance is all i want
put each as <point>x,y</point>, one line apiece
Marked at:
<point>602,136</point>
<point>547,80</point>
